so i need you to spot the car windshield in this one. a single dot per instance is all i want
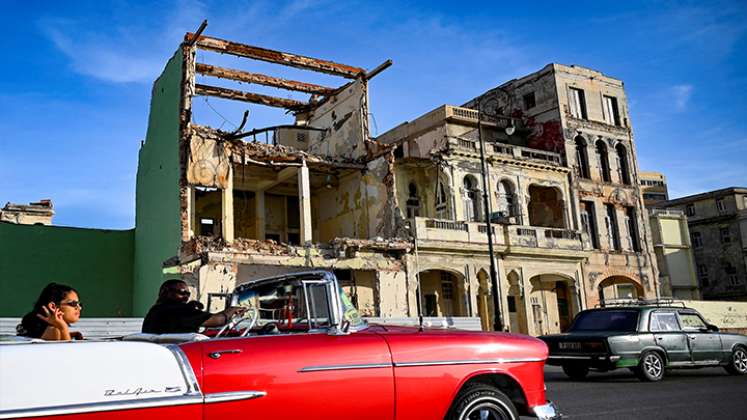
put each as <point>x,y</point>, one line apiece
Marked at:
<point>606,321</point>
<point>287,304</point>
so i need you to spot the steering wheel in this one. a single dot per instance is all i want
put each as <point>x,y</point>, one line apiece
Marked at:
<point>269,328</point>
<point>251,314</point>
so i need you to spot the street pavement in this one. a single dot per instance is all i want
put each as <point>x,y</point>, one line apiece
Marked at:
<point>708,393</point>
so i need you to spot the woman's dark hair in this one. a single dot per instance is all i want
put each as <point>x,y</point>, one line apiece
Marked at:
<point>31,325</point>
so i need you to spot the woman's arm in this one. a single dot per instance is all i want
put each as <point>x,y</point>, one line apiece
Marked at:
<point>57,329</point>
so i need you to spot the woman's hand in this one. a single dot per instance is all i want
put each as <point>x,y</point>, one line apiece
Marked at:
<point>53,317</point>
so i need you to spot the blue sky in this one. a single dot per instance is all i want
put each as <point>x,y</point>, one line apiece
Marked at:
<point>75,84</point>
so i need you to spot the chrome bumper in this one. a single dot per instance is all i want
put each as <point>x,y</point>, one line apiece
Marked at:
<point>547,411</point>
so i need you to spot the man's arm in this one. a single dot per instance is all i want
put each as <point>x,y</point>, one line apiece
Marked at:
<point>221,318</point>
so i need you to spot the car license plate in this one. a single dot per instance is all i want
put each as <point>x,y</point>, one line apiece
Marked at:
<point>569,346</point>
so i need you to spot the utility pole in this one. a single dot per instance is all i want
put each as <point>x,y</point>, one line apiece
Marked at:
<point>497,321</point>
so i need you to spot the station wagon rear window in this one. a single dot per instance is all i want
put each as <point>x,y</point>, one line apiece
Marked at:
<point>606,321</point>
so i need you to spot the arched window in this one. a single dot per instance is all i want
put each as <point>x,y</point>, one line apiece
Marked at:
<point>582,158</point>
<point>603,159</point>
<point>413,201</point>
<point>622,164</point>
<point>506,199</point>
<point>546,207</point>
<point>471,199</point>
<point>442,204</point>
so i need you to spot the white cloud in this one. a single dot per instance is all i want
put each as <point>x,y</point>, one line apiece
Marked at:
<point>681,95</point>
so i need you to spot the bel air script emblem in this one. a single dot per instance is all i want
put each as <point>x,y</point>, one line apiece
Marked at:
<point>136,392</point>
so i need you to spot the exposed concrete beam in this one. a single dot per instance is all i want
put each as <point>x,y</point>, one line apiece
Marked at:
<point>282,176</point>
<point>256,98</point>
<point>272,56</point>
<point>261,79</point>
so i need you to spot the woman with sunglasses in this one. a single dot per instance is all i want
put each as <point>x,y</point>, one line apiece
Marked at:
<point>58,306</point>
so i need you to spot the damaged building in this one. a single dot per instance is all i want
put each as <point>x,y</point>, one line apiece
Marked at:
<point>401,212</point>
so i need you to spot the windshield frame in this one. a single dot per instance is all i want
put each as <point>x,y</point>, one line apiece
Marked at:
<point>340,308</point>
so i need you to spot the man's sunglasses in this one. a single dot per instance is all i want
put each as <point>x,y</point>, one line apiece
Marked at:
<point>182,292</point>
<point>73,303</point>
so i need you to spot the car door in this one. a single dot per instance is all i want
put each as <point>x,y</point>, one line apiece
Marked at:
<point>705,346</point>
<point>665,327</point>
<point>312,372</point>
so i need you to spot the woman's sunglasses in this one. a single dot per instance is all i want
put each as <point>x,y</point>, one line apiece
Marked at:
<point>73,303</point>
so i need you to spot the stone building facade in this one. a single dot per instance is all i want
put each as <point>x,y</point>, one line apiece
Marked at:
<point>582,115</point>
<point>718,230</point>
<point>398,218</point>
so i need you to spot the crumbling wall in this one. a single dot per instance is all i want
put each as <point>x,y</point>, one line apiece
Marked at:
<point>424,175</point>
<point>386,216</point>
<point>393,289</point>
<point>158,209</point>
<point>345,115</point>
<point>343,210</point>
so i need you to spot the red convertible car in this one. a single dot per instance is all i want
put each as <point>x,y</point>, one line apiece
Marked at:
<point>300,351</point>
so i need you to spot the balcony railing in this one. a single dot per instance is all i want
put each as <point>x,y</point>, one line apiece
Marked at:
<point>445,225</point>
<point>516,235</point>
<point>455,231</point>
<point>508,150</point>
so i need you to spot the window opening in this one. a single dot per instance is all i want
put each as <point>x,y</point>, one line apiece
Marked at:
<point>578,103</point>
<point>622,164</point>
<point>413,201</point>
<point>582,158</point>
<point>613,113</point>
<point>588,222</point>
<point>613,233</point>
<point>603,159</point>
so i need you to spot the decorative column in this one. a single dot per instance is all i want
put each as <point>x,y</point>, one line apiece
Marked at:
<point>304,203</point>
<point>227,207</point>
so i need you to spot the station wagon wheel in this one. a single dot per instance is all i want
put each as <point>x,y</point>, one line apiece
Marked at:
<point>482,402</point>
<point>651,367</point>
<point>738,363</point>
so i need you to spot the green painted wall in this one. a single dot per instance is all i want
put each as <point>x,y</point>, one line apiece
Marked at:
<point>157,218</point>
<point>98,263</point>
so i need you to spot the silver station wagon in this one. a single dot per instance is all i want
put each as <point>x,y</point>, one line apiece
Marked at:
<point>647,338</point>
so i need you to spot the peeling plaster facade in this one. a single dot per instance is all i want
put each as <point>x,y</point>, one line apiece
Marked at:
<point>717,222</point>
<point>404,212</point>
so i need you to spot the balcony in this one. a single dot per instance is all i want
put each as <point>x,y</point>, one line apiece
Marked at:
<point>502,150</point>
<point>456,231</point>
<point>542,237</point>
<point>504,235</point>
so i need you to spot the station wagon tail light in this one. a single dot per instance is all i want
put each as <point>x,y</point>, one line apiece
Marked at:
<point>593,346</point>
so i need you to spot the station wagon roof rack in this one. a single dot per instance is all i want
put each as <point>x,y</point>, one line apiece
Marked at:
<point>640,302</point>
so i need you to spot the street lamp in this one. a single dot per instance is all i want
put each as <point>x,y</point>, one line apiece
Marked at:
<point>497,321</point>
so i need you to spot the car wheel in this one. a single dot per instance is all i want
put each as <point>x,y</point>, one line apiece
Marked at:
<point>576,372</point>
<point>738,362</point>
<point>482,402</point>
<point>651,367</point>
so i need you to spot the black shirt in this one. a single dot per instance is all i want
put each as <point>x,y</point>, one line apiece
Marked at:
<point>173,317</point>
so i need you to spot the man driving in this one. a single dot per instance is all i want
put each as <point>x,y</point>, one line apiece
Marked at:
<point>172,313</point>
